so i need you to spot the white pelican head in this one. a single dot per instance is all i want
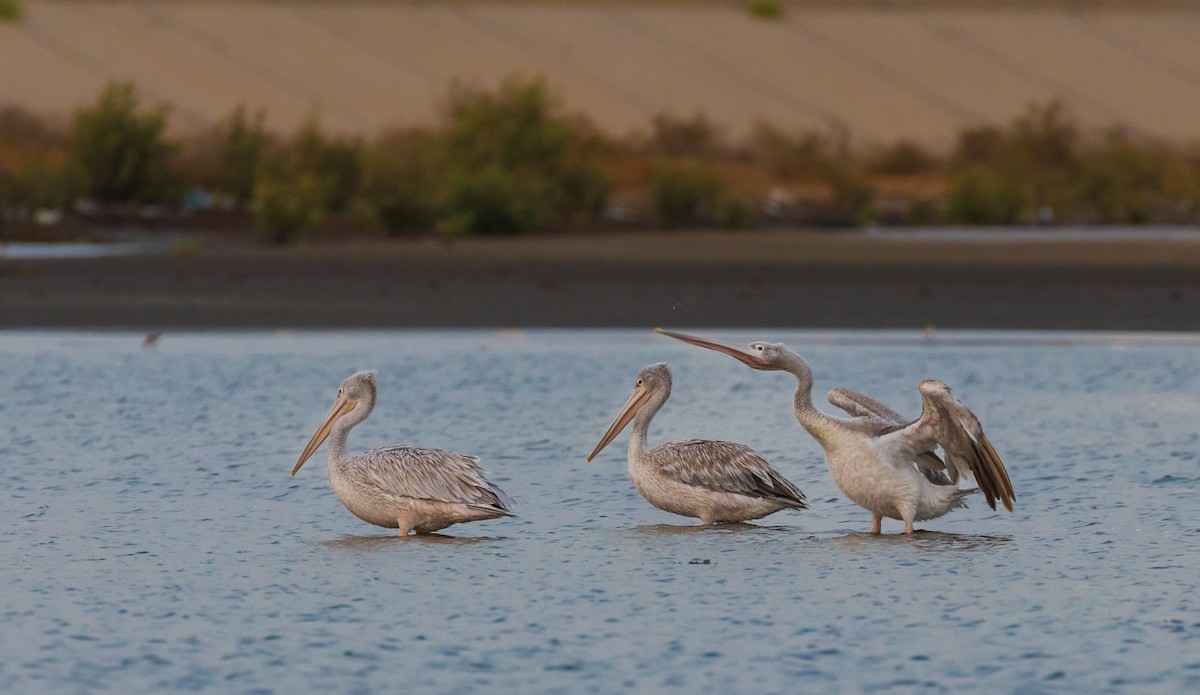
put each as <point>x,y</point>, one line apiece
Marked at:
<point>652,382</point>
<point>356,392</point>
<point>759,355</point>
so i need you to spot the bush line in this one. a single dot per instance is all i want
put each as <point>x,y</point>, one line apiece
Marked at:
<point>513,160</point>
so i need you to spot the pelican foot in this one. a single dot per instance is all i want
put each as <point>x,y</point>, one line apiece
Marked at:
<point>908,528</point>
<point>877,526</point>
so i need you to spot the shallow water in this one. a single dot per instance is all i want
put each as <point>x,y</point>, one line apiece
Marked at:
<point>152,539</point>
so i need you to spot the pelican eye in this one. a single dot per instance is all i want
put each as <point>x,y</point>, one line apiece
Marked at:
<point>639,383</point>
<point>759,348</point>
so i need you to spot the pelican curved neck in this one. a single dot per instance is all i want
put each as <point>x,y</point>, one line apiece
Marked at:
<point>808,415</point>
<point>336,444</point>
<point>641,424</point>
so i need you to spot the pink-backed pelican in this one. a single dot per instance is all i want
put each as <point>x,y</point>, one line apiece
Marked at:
<point>402,487</point>
<point>713,481</point>
<point>883,462</point>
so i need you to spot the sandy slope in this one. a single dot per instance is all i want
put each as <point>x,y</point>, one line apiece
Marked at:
<point>916,69</point>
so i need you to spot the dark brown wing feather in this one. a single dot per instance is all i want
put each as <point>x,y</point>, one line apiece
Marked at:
<point>948,423</point>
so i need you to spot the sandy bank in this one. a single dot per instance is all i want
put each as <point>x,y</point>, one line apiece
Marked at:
<point>920,70</point>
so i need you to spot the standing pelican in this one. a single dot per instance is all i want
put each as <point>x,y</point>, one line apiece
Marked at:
<point>881,461</point>
<point>401,487</point>
<point>713,481</point>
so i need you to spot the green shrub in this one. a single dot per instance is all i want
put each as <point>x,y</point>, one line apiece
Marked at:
<point>306,179</point>
<point>1047,135</point>
<point>1002,175</point>
<point>244,146</point>
<point>982,145</point>
<point>516,141</point>
<point>683,194</point>
<point>34,169</point>
<point>337,162</point>
<point>585,192</point>
<point>1183,183</point>
<point>803,153</point>
<point>10,11</point>
<point>487,201</point>
<point>766,9</point>
<point>400,173</point>
<point>677,136</point>
<point>853,194</point>
<point>41,182</point>
<point>902,158</point>
<point>979,195</point>
<point>828,157</point>
<point>921,211</point>
<point>1123,180</point>
<point>122,153</point>
<point>289,204</point>
<point>737,212</point>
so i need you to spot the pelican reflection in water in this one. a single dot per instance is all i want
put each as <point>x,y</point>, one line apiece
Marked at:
<point>880,460</point>
<point>713,481</point>
<point>401,487</point>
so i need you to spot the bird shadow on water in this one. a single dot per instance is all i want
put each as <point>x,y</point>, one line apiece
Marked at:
<point>735,528</point>
<point>933,541</point>
<point>396,541</point>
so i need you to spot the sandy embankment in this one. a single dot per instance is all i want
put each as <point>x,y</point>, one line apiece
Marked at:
<point>920,70</point>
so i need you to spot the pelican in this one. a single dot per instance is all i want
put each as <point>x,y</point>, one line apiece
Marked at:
<point>881,461</point>
<point>712,481</point>
<point>402,487</point>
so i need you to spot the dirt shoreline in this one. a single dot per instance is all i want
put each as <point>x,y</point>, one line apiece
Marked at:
<point>761,279</point>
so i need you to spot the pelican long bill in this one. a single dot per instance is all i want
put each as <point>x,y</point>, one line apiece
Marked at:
<point>744,355</point>
<point>340,407</point>
<point>637,399</point>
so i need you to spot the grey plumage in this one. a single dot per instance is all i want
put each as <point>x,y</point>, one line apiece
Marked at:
<point>883,462</point>
<point>714,481</point>
<point>405,487</point>
<point>429,474</point>
<point>724,467</point>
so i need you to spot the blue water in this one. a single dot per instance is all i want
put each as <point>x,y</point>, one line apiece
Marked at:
<point>151,538</point>
<point>29,250</point>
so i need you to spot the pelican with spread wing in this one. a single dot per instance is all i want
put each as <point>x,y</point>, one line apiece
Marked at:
<point>883,462</point>
<point>402,487</point>
<point>712,481</point>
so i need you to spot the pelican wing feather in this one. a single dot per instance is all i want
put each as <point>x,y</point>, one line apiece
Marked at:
<point>431,474</point>
<point>862,405</point>
<point>725,467</point>
<point>947,423</point>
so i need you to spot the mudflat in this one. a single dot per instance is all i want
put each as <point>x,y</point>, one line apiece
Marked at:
<point>786,279</point>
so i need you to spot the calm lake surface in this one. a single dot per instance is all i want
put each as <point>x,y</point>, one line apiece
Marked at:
<point>151,538</point>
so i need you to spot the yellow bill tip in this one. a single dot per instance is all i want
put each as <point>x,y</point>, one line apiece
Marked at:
<point>657,330</point>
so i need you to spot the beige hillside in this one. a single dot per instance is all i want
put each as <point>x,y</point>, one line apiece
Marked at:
<point>919,69</point>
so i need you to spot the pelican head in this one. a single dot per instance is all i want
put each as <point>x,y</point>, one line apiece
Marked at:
<point>651,381</point>
<point>356,392</point>
<point>759,355</point>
